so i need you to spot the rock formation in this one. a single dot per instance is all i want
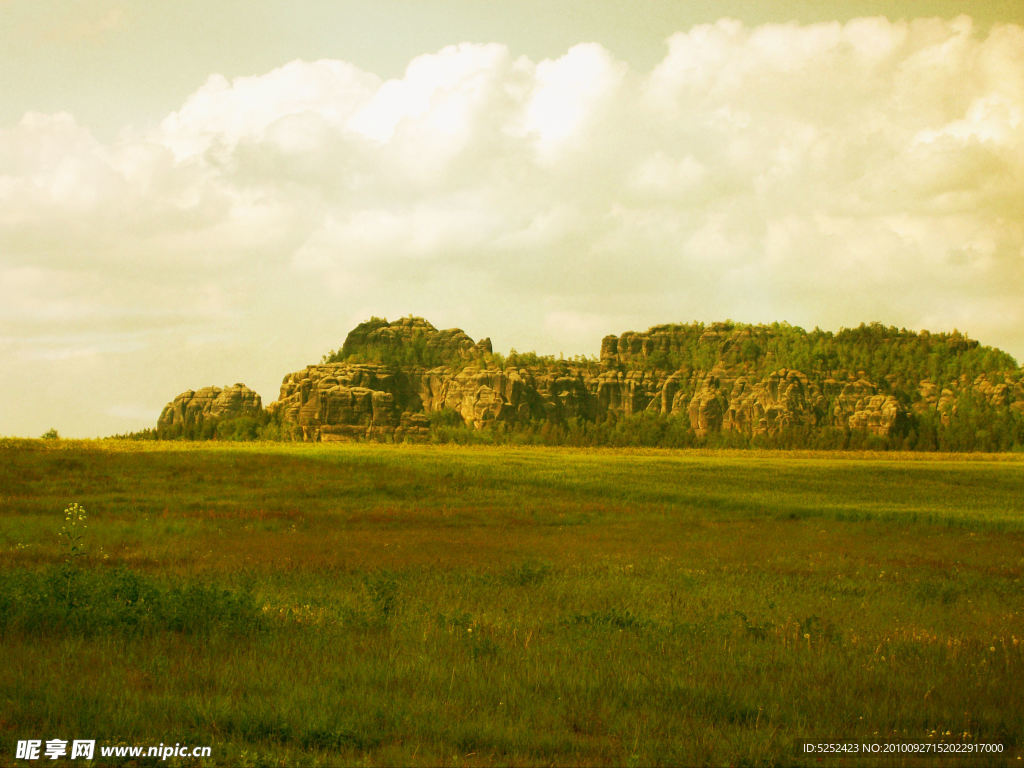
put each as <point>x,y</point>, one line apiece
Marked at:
<point>388,379</point>
<point>409,341</point>
<point>191,410</point>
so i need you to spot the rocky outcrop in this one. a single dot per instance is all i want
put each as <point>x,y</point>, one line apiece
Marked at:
<point>389,378</point>
<point>859,405</point>
<point>372,399</point>
<point>662,343</point>
<point>191,410</point>
<point>998,391</point>
<point>409,341</point>
<point>785,399</point>
<point>333,401</point>
<point>347,400</point>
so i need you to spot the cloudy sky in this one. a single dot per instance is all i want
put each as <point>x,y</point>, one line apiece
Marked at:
<point>198,193</point>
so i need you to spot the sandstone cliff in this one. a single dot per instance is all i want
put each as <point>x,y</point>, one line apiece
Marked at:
<point>389,379</point>
<point>191,411</point>
<point>409,341</point>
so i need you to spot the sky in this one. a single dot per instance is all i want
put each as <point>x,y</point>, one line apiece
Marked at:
<point>197,193</point>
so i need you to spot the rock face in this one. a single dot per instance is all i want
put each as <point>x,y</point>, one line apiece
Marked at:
<point>388,379</point>
<point>409,341</point>
<point>191,410</point>
<point>337,400</point>
<point>334,401</point>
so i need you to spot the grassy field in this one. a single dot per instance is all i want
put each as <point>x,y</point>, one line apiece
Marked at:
<point>379,605</point>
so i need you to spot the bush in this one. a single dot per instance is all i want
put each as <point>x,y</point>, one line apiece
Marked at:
<point>238,429</point>
<point>85,602</point>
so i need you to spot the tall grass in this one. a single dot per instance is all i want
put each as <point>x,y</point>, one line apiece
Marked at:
<point>299,605</point>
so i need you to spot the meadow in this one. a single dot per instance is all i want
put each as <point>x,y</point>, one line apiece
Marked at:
<point>354,604</point>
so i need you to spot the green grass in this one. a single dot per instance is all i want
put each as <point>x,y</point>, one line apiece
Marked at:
<point>358,604</point>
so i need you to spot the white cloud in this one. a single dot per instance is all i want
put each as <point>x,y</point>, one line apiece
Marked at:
<point>824,174</point>
<point>568,92</point>
<point>221,113</point>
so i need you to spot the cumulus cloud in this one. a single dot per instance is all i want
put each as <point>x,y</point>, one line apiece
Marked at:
<point>825,174</point>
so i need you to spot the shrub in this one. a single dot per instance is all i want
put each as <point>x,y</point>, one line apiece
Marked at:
<point>94,602</point>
